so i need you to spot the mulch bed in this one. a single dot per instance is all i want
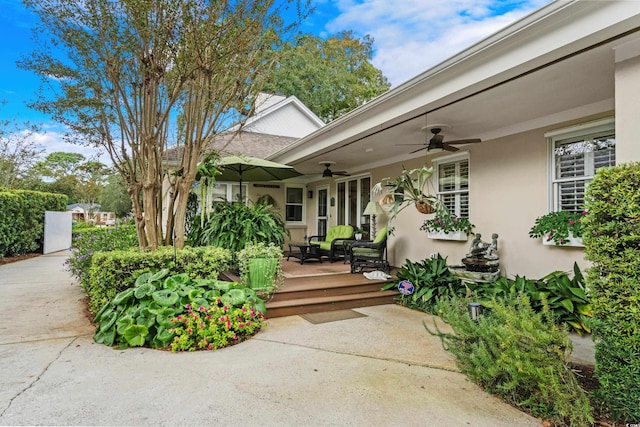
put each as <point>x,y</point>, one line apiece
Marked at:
<point>10,259</point>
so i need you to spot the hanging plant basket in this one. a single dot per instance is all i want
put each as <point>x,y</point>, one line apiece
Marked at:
<point>424,208</point>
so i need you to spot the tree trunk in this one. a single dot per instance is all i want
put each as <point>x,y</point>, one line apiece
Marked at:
<point>183,186</point>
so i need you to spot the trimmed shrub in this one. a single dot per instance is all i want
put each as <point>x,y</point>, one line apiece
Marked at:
<point>517,353</point>
<point>115,271</point>
<point>89,239</point>
<point>612,243</point>
<point>22,219</point>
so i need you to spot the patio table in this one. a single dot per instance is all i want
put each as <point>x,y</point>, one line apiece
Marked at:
<point>304,251</point>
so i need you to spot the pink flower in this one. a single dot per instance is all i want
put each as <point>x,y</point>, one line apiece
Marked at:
<point>188,306</point>
<point>201,308</point>
<point>210,347</point>
<point>584,212</point>
<point>571,222</point>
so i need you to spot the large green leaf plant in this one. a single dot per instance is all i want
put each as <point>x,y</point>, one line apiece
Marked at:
<point>145,314</point>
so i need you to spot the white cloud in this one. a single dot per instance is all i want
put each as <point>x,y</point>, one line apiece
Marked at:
<point>414,35</point>
<point>52,140</point>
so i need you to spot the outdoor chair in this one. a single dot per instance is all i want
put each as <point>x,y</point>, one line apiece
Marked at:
<point>332,244</point>
<point>370,254</point>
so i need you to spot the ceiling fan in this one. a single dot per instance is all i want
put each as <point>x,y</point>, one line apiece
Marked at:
<point>328,173</point>
<point>437,141</point>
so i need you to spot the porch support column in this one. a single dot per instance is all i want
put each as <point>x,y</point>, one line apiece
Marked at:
<point>627,84</point>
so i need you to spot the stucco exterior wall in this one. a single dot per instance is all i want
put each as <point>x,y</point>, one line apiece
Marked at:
<point>508,191</point>
<point>627,110</point>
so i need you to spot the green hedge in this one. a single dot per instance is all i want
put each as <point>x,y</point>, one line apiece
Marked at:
<point>612,243</point>
<point>114,271</point>
<point>22,219</point>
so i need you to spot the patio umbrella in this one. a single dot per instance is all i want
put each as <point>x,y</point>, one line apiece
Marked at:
<point>253,169</point>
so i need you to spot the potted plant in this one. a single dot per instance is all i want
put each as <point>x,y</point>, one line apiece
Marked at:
<point>446,226</point>
<point>562,228</point>
<point>408,189</point>
<point>260,267</point>
<point>360,233</point>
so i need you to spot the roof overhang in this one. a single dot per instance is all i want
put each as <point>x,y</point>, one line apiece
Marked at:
<point>555,64</point>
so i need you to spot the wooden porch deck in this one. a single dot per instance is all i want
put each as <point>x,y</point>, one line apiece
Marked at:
<point>311,293</point>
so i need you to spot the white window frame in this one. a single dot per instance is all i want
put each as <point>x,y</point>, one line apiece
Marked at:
<point>304,204</point>
<point>359,208</point>
<point>567,136</point>
<point>455,159</point>
<point>228,189</point>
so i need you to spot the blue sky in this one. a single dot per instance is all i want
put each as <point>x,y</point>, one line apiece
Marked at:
<point>410,37</point>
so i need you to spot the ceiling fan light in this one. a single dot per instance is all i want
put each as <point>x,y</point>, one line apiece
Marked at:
<point>435,147</point>
<point>327,173</point>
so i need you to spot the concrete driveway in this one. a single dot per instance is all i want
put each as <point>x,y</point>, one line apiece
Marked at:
<point>380,370</point>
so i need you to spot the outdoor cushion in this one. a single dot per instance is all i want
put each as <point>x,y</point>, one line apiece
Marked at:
<point>381,235</point>
<point>373,252</point>
<point>335,232</point>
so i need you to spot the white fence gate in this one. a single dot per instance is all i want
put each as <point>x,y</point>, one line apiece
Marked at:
<point>57,231</point>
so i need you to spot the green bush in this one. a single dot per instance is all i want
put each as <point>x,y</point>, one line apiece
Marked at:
<point>612,243</point>
<point>517,353</point>
<point>115,271</point>
<point>89,239</point>
<point>234,226</point>
<point>567,298</point>
<point>82,227</point>
<point>188,314</point>
<point>432,281</point>
<point>22,219</point>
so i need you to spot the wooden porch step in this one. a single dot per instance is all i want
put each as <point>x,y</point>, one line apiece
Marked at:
<point>314,294</point>
<point>320,304</point>
<point>323,286</point>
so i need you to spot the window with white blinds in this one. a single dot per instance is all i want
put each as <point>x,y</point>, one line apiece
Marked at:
<point>453,186</point>
<point>575,162</point>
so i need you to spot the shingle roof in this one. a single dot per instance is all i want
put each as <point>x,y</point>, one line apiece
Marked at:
<point>252,144</point>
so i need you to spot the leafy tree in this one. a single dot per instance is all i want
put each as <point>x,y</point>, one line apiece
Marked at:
<point>59,164</point>
<point>331,76</point>
<point>130,66</point>
<point>114,198</point>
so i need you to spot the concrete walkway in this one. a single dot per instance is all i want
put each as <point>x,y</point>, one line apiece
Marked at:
<point>380,370</point>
